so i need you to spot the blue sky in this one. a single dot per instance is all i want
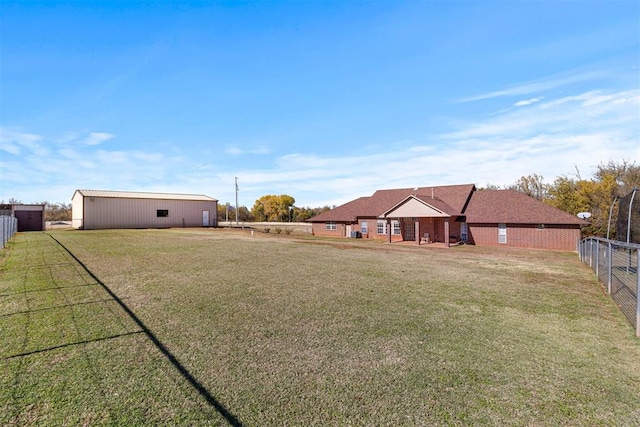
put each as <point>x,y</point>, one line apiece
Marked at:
<point>324,101</point>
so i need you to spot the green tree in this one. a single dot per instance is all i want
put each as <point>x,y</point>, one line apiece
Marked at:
<point>272,207</point>
<point>596,196</point>
<point>244,214</point>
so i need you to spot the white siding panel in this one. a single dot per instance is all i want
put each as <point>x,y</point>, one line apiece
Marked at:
<point>414,208</point>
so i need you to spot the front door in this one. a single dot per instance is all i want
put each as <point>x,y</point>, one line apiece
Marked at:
<point>205,218</point>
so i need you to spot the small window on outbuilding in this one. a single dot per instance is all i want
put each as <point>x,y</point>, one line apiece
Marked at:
<point>331,225</point>
<point>163,213</point>
<point>540,226</point>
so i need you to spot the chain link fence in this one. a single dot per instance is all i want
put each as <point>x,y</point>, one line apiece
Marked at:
<point>8,227</point>
<point>616,265</point>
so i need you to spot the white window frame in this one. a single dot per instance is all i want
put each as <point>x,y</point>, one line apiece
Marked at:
<point>396,230</point>
<point>464,232</point>
<point>331,225</point>
<point>502,233</point>
<point>381,225</point>
<point>364,227</point>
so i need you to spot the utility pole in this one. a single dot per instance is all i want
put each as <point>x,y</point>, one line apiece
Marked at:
<point>237,189</point>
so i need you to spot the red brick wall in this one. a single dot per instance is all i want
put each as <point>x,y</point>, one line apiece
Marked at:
<point>551,237</point>
<point>320,229</point>
<point>433,226</point>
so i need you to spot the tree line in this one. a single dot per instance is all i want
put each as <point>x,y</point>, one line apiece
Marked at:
<point>570,192</point>
<point>270,208</point>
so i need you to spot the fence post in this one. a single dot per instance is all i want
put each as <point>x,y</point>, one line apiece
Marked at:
<point>638,292</point>
<point>609,267</point>
<point>597,269</point>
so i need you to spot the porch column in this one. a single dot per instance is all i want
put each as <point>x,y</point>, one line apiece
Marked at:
<point>388,230</point>
<point>416,231</point>
<point>446,232</point>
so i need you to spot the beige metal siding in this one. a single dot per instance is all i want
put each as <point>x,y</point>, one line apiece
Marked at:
<point>77,212</point>
<point>107,212</point>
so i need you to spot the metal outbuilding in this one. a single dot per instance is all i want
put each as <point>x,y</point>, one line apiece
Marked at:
<point>100,209</point>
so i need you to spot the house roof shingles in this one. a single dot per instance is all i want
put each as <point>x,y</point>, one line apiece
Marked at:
<point>451,199</point>
<point>511,206</point>
<point>479,207</point>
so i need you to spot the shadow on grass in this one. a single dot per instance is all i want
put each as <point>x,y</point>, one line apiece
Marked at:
<point>71,344</point>
<point>231,419</point>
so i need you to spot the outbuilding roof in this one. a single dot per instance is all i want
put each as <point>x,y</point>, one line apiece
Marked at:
<point>144,195</point>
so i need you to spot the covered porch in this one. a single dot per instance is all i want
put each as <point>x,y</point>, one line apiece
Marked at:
<point>425,222</point>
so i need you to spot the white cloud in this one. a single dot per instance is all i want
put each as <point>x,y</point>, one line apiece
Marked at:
<point>14,141</point>
<point>97,138</point>
<point>237,151</point>
<point>10,147</point>
<point>526,102</point>
<point>550,137</point>
<point>536,86</point>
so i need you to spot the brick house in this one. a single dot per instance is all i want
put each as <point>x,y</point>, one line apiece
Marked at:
<point>451,214</point>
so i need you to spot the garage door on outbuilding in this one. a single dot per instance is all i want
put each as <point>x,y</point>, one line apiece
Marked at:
<point>101,209</point>
<point>30,217</point>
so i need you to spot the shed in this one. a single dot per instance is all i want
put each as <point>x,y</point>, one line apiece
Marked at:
<point>30,217</point>
<point>101,209</point>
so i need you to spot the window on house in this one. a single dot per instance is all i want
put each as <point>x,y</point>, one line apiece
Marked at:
<point>396,227</point>
<point>364,227</point>
<point>464,233</point>
<point>331,225</point>
<point>381,227</point>
<point>162,213</point>
<point>502,233</point>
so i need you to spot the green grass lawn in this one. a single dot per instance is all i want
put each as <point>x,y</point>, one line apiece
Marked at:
<point>195,326</point>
